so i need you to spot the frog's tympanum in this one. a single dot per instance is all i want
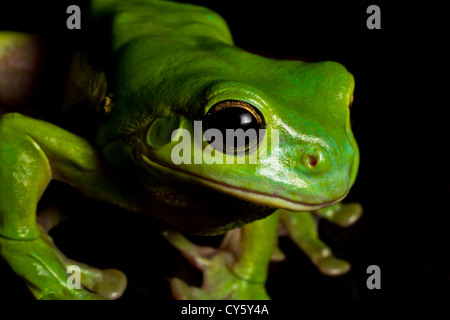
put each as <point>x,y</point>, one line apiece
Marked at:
<point>172,66</point>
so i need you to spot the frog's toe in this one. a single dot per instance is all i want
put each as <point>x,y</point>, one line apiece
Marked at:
<point>107,283</point>
<point>195,254</point>
<point>113,284</point>
<point>332,266</point>
<point>277,255</point>
<point>50,217</point>
<point>181,291</point>
<point>322,256</point>
<point>82,295</point>
<point>51,296</point>
<point>342,214</point>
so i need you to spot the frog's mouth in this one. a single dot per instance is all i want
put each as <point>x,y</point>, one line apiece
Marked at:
<point>257,197</point>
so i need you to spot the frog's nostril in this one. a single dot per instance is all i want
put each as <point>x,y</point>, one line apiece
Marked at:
<point>311,160</point>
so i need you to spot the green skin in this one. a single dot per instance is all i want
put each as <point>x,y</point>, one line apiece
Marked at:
<point>172,62</point>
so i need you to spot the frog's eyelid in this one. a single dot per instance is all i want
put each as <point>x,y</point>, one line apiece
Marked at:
<point>241,104</point>
<point>234,90</point>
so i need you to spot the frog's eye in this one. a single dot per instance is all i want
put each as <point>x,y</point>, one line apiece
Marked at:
<point>228,117</point>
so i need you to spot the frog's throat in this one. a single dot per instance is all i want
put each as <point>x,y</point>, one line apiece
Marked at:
<point>244,194</point>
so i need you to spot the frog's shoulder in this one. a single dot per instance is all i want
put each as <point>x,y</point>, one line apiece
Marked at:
<point>85,96</point>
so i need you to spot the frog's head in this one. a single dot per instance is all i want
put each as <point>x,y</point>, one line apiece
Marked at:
<point>307,155</point>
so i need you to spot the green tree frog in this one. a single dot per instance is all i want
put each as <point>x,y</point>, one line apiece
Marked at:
<point>169,66</point>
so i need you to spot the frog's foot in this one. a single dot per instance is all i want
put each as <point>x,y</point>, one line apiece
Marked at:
<point>29,161</point>
<point>342,214</point>
<point>48,276</point>
<point>219,280</point>
<point>301,227</point>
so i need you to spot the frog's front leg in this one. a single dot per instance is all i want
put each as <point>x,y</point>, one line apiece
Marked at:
<point>236,270</point>
<point>32,153</point>
<point>302,228</point>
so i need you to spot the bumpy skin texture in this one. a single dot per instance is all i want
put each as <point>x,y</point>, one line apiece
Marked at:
<point>171,63</point>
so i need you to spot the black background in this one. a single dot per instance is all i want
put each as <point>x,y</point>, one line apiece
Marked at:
<point>400,124</point>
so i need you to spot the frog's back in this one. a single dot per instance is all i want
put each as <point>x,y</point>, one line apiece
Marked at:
<point>58,86</point>
<point>21,67</point>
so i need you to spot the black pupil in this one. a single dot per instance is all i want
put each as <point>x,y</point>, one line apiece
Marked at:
<point>233,118</point>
